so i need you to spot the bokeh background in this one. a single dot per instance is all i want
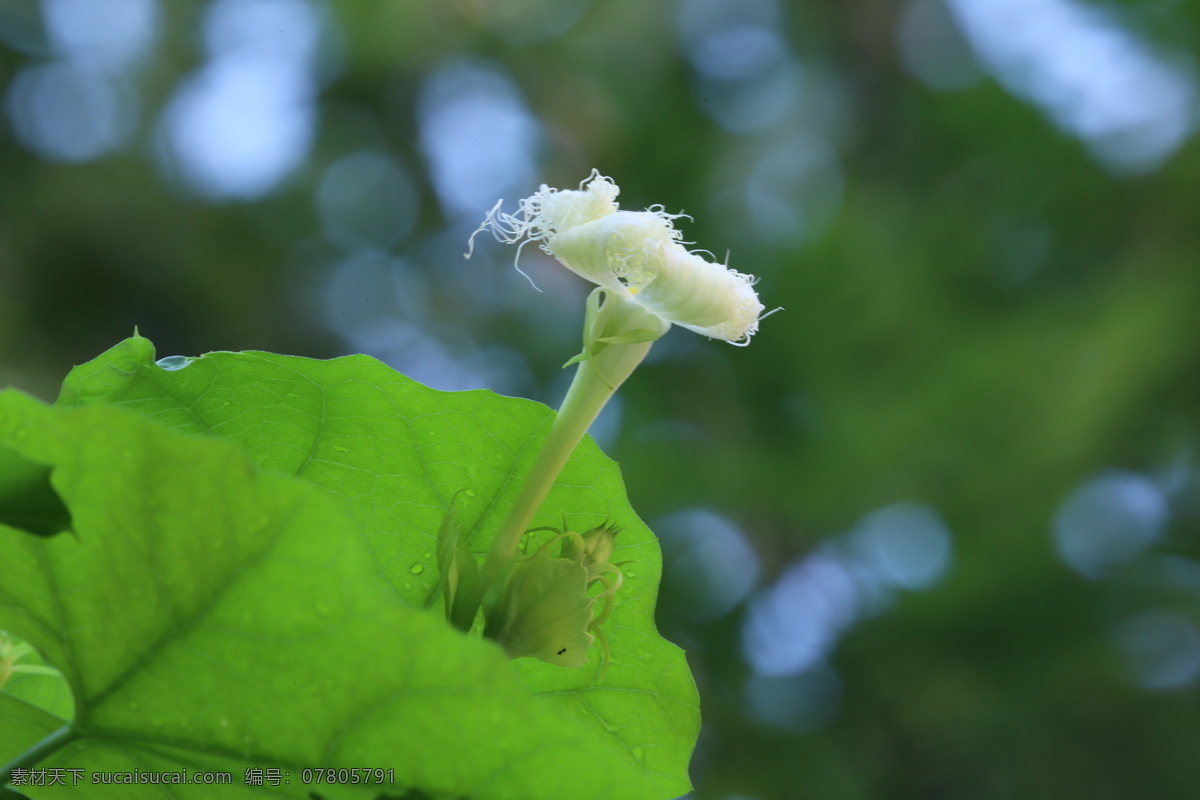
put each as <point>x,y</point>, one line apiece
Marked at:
<point>934,534</point>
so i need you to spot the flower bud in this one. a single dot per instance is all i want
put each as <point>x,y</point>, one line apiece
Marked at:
<point>591,549</point>
<point>548,609</point>
<point>544,611</point>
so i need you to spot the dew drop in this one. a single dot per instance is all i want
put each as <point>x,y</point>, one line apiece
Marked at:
<point>407,586</point>
<point>173,363</point>
<point>469,492</point>
<point>417,569</point>
<point>429,555</point>
<point>629,573</point>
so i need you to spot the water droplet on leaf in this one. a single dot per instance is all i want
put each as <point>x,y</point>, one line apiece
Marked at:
<point>173,363</point>
<point>417,569</point>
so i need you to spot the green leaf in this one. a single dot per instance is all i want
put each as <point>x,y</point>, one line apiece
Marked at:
<point>209,616</point>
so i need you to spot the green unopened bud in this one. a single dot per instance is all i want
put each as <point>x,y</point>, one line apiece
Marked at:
<point>456,562</point>
<point>549,608</point>
<point>544,611</point>
<point>591,549</point>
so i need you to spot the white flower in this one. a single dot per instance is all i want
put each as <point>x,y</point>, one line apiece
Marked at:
<point>637,254</point>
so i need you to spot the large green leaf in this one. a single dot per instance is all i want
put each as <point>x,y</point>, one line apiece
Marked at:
<point>397,452</point>
<point>210,616</point>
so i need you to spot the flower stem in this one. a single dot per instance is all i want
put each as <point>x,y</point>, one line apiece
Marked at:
<point>51,744</point>
<point>617,336</point>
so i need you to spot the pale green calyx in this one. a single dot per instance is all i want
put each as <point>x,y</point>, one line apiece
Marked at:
<point>634,254</point>
<point>544,611</point>
<point>551,608</point>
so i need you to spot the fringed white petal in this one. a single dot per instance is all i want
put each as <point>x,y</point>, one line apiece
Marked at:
<point>637,253</point>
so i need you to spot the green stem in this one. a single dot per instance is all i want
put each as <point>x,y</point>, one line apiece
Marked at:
<point>583,403</point>
<point>617,337</point>
<point>51,744</point>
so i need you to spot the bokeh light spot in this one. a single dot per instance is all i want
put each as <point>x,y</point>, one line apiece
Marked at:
<point>906,545</point>
<point>712,567</point>
<point>752,104</point>
<point>237,127</point>
<point>704,26</point>
<point>477,135</point>
<point>65,113</point>
<point>366,200</point>
<point>287,30</point>
<point>1091,76</point>
<point>101,35</point>
<point>742,51</point>
<point>1162,647</point>
<point>795,623</point>
<point>792,625</point>
<point>370,286</point>
<point>1108,521</point>
<point>793,189</point>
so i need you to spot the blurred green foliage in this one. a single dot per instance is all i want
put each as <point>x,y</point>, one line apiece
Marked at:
<point>982,315</point>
